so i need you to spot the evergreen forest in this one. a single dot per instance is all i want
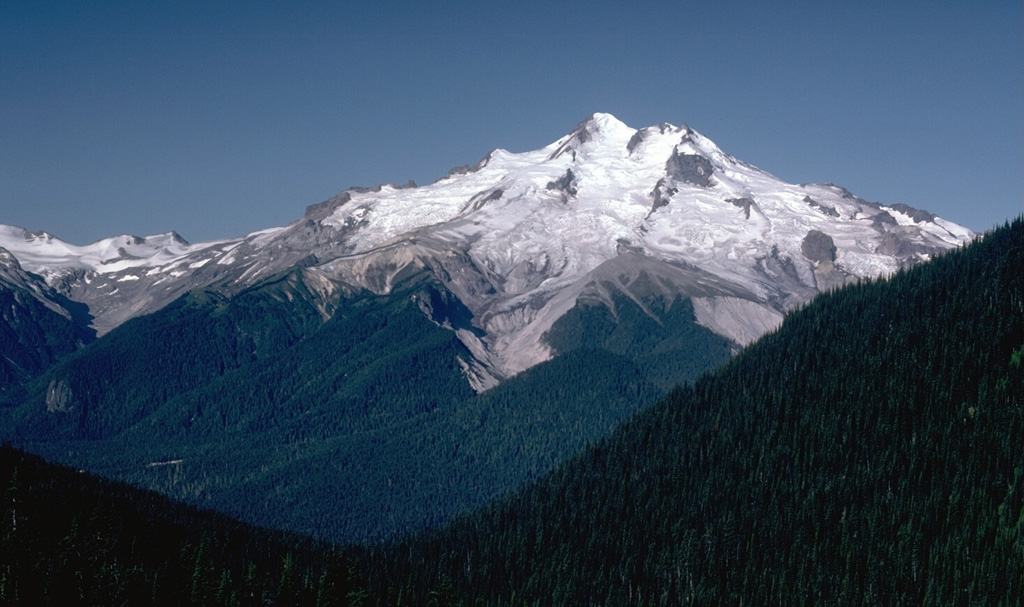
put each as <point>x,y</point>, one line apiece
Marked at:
<point>350,419</point>
<point>868,452</point>
<point>70,538</point>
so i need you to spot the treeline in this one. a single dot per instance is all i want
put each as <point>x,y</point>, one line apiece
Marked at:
<point>671,348</point>
<point>68,538</point>
<point>869,452</point>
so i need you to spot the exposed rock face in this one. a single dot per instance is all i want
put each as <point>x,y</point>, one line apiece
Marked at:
<point>830,211</point>
<point>662,194</point>
<point>818,247</point>
<point>744,203</point>
<point>902,243</point>
<point>690,168</point>
<point>821,249</point>
<point>565,184</point>
<point>58,397</point>
<point>635,141</point>
<point>917,215</point>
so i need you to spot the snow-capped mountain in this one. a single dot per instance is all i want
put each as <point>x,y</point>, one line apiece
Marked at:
<point>521,239</point>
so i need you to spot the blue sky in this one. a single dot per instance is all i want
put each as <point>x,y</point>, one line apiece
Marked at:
<point>216,119</point>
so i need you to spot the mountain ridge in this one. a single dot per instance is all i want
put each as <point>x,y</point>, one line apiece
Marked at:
<point>517,236</point>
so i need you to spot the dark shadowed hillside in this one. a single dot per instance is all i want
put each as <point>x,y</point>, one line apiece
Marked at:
<point>69,538</point>
<point>356,427</point>
<point>868,452</point>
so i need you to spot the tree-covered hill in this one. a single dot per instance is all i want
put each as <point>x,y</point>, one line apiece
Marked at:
<point>69,538</point>
<point>869,452</point>
<point>349,418</point>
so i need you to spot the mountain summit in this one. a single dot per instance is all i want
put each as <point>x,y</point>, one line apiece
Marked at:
<point>605,214</point>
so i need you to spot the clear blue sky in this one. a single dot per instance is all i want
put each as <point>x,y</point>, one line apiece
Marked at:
<point>216,119</point>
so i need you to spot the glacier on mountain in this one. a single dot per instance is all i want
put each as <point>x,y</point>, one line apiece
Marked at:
<point>518,238</point>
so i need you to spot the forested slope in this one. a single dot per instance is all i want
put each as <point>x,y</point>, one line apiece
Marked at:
<point>356,424</point>
<point>32,336</point>
<point>870,451</point>
<point>68,538</point>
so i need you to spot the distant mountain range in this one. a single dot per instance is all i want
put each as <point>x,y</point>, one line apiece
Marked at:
<point>421,350</point>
